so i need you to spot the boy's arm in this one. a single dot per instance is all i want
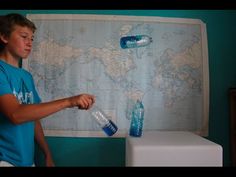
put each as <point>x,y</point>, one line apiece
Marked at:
<point>20,113</point>
<point>40,139</point>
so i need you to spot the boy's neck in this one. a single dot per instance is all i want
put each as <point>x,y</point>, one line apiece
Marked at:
<point>9,59</point>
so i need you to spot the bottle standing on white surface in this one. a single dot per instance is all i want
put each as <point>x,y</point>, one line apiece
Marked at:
<point>135,41</point>
<point>136,124</point>
<point>106,124</point>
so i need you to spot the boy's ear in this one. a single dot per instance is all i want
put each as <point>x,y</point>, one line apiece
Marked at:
<point>4,39</point>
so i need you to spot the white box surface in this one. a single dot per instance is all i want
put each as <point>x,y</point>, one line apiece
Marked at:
<point>172,148</point>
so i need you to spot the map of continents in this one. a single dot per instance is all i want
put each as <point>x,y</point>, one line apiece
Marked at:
<point>75,54</point>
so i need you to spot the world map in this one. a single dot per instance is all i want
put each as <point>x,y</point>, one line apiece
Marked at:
<point>81,53</point>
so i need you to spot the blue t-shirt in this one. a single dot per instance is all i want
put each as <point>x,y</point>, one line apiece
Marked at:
<point>17,141</point>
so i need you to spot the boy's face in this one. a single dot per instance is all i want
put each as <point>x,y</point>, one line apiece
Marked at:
<point>19,43</point>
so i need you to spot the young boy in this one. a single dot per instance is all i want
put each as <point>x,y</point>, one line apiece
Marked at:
<point>20,105</point>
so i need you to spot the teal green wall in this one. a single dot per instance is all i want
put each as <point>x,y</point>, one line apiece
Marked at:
<point>221,31</point>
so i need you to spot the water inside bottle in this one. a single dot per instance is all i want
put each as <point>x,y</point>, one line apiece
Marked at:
<point>110,128</point>
<point>135,41</point>
<point>136,124</point>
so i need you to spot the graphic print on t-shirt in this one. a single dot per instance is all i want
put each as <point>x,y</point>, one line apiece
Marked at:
<point>24,96</point>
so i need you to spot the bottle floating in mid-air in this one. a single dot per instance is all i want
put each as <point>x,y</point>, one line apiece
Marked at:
<point>135,41</point>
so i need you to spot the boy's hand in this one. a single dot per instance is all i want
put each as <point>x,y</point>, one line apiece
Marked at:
<point>82,101</point>
<point>49,162</point>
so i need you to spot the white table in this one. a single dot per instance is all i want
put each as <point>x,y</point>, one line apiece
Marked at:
<point>172,148</point>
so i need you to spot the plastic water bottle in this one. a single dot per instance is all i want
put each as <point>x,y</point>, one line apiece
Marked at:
<point>136,125</point>
<point>135,41</point>
<point>106,124</point>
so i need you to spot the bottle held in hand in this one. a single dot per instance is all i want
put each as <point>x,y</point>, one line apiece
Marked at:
<point>102,120</point>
